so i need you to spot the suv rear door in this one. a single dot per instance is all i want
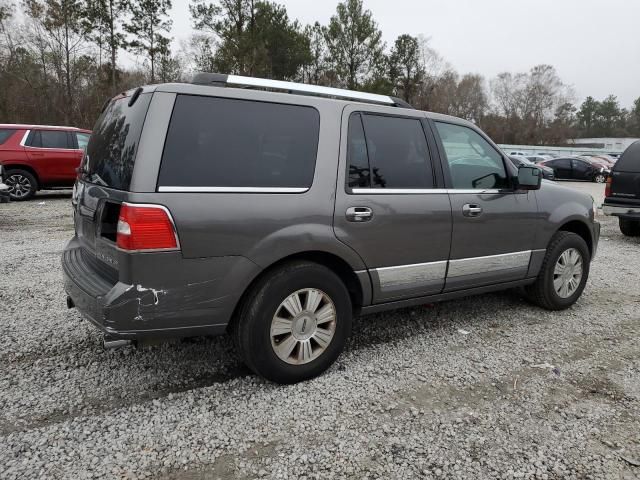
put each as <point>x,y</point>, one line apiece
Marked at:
<point>106,175</point>
<point>581,170</point>
<point>54,155</point>
<point>561,168</point>
<point>389,207</point>
<point>494,225</point>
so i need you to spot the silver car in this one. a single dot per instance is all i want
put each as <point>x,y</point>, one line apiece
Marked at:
<point>276,212</point>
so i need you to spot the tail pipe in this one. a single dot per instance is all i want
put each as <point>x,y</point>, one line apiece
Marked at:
<point>111,343</point>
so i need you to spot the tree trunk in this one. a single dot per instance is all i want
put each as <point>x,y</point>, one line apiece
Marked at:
<point>152,54</point>
<point>69,107</point>
<point>114,47</point>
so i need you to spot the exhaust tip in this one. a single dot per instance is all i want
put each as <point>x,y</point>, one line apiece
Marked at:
<point>110,343</point>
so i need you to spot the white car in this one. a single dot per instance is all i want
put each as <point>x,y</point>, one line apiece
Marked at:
<point>4,190</point>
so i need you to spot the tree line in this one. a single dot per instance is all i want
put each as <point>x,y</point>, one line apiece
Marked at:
<point>61,59</point>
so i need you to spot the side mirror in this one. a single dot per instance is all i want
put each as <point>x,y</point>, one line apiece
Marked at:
<point>529,177</point>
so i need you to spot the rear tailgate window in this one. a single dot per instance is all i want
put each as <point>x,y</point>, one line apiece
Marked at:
<point>630,160</point>
<point>112,148</point>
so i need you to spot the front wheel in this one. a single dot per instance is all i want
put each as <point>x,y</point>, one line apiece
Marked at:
<point>564,272</point>
<point>629,228</point>
<point>600,178</point>
<point>294,323</point>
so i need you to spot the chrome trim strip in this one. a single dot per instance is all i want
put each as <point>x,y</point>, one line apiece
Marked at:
<point>234,189</point>
<point>432,191</point>
<point>611,210</point>
<point>24,138</point>
<point>307,88</point>
<point>411,275</point>
<point>490,263</point>
<point>392,191</point>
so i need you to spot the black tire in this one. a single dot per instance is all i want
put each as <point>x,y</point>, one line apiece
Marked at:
<point>252,327</point>
<point>629,228</point>
<point>22,184</point>
<point>543,292</point>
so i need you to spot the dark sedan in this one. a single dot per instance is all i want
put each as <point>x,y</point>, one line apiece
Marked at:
<point>577,168</point>
<point>519,160</point>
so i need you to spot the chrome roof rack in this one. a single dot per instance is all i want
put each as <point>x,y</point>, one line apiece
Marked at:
<point>221,80</point>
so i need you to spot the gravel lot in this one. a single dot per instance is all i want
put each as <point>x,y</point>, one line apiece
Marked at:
<point>524,394</point>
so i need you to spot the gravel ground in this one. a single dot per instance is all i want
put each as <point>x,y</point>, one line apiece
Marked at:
<point>524,394</point>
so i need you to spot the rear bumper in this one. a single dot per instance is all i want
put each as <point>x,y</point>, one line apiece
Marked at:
<point>168,306</point>
<point>627,211</point>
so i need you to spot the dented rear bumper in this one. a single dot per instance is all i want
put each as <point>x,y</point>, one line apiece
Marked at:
<point>162,304</point>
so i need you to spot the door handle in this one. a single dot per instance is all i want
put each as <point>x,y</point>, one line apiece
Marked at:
<point>471,210</point>
<point>359,214</point>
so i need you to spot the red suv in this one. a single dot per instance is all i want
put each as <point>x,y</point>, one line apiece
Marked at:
<point>39,156</point>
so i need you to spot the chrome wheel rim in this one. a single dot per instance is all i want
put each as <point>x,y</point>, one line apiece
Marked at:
<point>567,273</point>
<point>600,179</point>
<point>303,326</point>
<point>19,185</point>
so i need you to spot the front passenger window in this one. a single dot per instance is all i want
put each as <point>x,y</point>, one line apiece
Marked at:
<point>473,162</point>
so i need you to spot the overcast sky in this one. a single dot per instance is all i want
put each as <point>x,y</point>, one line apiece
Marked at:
<point>594,44</point>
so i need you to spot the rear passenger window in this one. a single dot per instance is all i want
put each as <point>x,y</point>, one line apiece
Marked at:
<point>473,162</point>
<point>219,142</point>
<point>357,150</point>
<point>48,139</point>
<point>5,135</point>
<point>393,150</point>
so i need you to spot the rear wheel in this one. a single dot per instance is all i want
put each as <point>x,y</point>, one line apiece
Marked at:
<point>22,184</point>
<point>629,228</point>
<point>600,178</point>
<point>564,272</point>
<point>294,323</point>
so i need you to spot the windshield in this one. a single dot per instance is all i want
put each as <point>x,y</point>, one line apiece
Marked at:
<point>111,151</point>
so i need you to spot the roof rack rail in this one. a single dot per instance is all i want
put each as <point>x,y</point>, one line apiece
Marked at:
<point>222,80</point>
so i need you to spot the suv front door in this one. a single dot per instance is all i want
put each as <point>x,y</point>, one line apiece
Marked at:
<point>390,205</point>
<point>494,225</point>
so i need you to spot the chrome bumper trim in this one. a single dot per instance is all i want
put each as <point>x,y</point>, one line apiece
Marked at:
<point>611,210</point>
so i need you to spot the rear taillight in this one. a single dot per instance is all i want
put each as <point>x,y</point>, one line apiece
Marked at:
<point>144,228</point>
<point>607,189</point>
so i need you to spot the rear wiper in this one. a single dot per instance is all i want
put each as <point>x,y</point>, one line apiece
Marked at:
<point>135,96</point>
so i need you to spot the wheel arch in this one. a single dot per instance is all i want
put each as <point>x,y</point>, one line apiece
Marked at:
<point>357,284</point>
<point>21,166</point>
<point>581,229</point>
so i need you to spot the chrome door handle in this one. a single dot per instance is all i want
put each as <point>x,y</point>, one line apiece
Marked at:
<point>471,210</point>
<point>359,214</point>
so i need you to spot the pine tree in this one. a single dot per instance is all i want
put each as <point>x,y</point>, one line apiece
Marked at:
<point>147,25</point>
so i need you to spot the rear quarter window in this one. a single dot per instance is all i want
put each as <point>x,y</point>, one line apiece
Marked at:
<point>219,142</point>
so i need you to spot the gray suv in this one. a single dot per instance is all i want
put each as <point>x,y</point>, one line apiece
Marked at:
<point>277,211</point>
